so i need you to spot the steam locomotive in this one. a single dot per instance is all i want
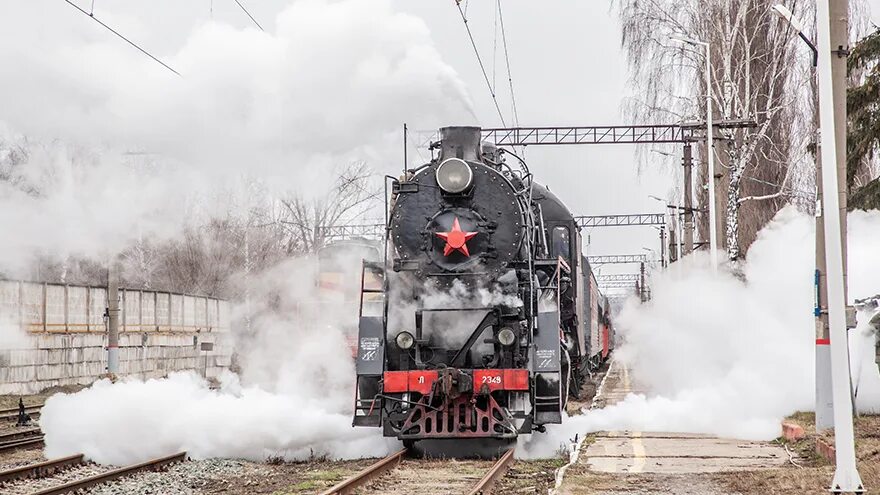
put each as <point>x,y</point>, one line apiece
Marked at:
<point>484,317</point>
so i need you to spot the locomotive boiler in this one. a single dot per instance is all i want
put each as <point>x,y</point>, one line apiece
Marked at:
<point>484,316</point>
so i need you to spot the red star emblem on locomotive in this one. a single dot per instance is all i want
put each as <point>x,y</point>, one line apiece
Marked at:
<point>456,239</point>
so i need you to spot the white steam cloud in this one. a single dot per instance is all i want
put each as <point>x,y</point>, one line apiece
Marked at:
<point>104,146</point>
<point>330,84</point>
<point>296,400</point>
<point>729,355</point>
<point>133,421</point>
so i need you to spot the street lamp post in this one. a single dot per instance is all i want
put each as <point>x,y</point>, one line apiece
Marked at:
<point>797,25</point>
<point>710,152</point>
<point>832,29</point>
<point>824,409</point>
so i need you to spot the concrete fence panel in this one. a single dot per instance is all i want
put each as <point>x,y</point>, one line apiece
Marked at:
<point>148,311</point>
<point>177,313</point>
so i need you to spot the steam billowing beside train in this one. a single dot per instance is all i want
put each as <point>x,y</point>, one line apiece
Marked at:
<point>490,316</point>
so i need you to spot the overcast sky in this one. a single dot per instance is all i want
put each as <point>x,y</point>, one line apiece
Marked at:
<point>567,69</point>
<point>565,56</point>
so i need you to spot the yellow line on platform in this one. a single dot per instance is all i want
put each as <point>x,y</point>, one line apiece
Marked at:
<point>638,453</point>
<point>638,447</point>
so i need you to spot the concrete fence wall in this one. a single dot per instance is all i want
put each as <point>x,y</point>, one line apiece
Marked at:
<point>65,337</point>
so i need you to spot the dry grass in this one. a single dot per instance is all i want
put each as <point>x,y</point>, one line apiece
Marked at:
<point>815,477</point>
<point>530,477</point>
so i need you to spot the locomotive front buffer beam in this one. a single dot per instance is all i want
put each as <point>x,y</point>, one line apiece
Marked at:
<point>459,401</point>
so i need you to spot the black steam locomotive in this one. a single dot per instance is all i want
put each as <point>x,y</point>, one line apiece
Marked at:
<point>484,316</point>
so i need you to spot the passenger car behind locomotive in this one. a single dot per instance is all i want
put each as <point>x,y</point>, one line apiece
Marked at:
<point>490,315</point>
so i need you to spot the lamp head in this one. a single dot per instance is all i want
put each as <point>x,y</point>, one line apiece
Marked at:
<point>784,12</point>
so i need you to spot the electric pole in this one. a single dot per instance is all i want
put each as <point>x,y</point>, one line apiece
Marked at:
<point>664,261</point>
<point>824,402</point>
<point>833,36</point>
<point>644,295</point>
<point>113,318</point>
<point>688,163</point>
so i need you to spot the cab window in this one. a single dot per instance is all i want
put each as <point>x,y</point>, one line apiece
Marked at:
<point>561,243</point>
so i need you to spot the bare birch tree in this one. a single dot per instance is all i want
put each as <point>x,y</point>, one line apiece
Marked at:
<point>351,196</point>
<point>755,76</point>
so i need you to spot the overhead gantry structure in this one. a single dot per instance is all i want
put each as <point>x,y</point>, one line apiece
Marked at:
<point>684,133</point>
<point>620,220</point>
<point>350,231</point>
<point>653,219</point>
<point>638,279</point>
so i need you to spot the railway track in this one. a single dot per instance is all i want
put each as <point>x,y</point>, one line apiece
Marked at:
<point>463,472</point>
<point>12,413</point>
<point>71,474</point>
<point>21,439</point>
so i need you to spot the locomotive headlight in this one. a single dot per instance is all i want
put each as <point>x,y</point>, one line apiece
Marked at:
<point>405,340</point>
<point>454,175</point>
<point>506,337</point>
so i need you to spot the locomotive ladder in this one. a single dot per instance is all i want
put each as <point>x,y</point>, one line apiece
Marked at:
<point>554,402</point>
<point>372,272</point>
<point>372,304</point>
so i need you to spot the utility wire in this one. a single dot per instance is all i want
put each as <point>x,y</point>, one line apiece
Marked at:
<point>507,60</point>
<point>132,43</point>
<point>495,51</point>
<point>249,15</point>
<point>480,61</point>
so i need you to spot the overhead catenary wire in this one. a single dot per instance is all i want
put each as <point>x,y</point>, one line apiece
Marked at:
<point>480,61</point>
<point>495,51</point>
<point>248,14</point>
<point>507,62</point>
<point>117,33</point>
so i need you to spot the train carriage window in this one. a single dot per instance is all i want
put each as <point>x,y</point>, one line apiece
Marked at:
<point>561,243</point>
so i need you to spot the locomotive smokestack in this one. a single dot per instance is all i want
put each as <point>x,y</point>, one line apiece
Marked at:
<point>460,142</point>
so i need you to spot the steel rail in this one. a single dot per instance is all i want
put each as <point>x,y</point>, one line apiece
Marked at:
<point>14,410</point>
<point>21,443</point>
<point>14,416</point>
<point>99,479</point>
<point>485,486</point>
<point>17,435</point>
<point>351,484</point>
<point>41,469</point>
